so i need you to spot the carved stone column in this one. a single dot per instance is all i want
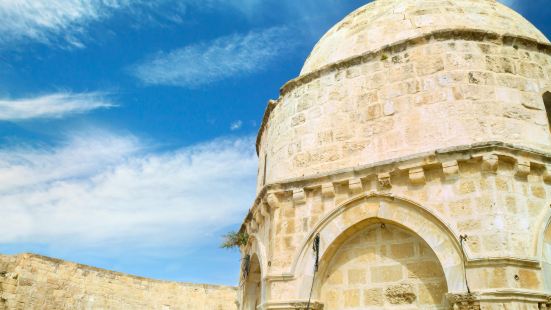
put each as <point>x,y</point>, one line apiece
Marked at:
<point>464,301</point>
<point>545,305</point>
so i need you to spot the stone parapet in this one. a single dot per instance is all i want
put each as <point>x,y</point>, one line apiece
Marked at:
<point>31,281</point>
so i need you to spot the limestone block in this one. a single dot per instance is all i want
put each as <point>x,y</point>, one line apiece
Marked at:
<point>382,274</point>
<point>400,294</point>
<point>328,190</point>
<point>374,297</point>
<point>417,176</point>
<point>522,169</point>
<point>547,174</point>
<point>355,186</point>
<point>464,301</point>
<point>384,180</point>
<point>299,196</point>
<point>352,298</point>
<point>489,163</point>
<point>451,170</point>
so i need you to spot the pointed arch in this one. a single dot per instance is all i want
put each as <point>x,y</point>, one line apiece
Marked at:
<point>252,284</point>
<point>365,209</point>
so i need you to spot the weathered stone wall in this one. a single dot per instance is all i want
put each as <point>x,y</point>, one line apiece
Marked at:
<point>498,195</point>
<point>35,282</point>
<point>435,92</point>
<point>384,22</point>
<point>384,266</point>
<point>422,114</point>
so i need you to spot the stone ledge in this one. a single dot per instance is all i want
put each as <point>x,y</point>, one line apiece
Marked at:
<point>291,305</point>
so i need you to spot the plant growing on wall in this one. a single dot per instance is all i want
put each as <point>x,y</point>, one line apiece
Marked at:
<point>234,240</point>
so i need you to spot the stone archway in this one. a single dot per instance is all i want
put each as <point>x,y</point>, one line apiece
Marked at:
<point>252,284</point>
<point>381,265</point>
<point>352,216</point>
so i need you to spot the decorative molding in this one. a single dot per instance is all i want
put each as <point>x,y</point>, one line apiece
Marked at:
<point>522,169</point>
<point>328,190</point>
<point>467,301</point>
<point>545,305</point>
<point>489,163</point>
<point>417,176</point>
<point>504,261</point>
<point>272,200</point>
<point>292,305</point>
<point>449,159</point>
<point>299,196</point>
<point>547,174</point>
<point>355,186</point>
<point>451,170</point>
<point>384,180</point>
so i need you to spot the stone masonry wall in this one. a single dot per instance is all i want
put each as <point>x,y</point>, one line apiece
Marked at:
<point>415,97</point>
<point>497,195</point>
<point>35,282</point>
<point>384,267</point>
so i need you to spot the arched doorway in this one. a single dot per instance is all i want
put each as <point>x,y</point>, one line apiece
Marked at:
<point>252,283</point>
<point>383,266</point>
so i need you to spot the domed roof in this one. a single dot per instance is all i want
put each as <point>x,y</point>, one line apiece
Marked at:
<point>383,22</point>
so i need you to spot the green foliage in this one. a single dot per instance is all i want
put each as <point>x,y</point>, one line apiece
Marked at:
<point>384,57</point>
<point>234,240</point>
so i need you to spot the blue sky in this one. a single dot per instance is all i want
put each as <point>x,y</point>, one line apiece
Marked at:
<point>127,126</point>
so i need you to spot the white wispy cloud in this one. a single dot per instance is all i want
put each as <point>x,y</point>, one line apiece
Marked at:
<point>207,62</point>
<point>55,105</point>
<point>103,190</point>
<point>64,22</point>
<point>236,125</point>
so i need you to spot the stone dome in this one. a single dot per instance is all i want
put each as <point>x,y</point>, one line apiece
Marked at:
<point>383,22</point>
<point>407,77</point>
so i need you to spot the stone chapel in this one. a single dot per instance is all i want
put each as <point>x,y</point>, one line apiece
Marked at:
<point>407,167</point>
<point>414,149</point>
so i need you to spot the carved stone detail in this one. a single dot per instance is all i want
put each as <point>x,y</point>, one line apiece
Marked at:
<point>464,301</point>
<point>355,186</point>
<point>304,306</point>
<point>299,196</point>
<point>522,169</point>
<point>489,163</point>
<point>547,174</point>
<point>451,170</point>
<point>545,305</point>
<point>417,176</point>
<point>384,180</point>
<point>328,190</point>
<point>272,200</point>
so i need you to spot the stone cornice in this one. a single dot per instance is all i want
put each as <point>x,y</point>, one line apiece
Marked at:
<point>438,35</point>
<point>447,159</point>
<point>503,261</point>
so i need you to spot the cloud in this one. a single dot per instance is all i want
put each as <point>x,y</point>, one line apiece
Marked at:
<point>99,190</point>
<point>64,22</point>
<point>207,62</point>
<point>55,105</point>
<point>236,125</point>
